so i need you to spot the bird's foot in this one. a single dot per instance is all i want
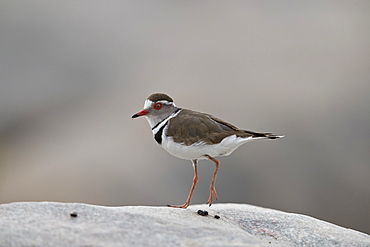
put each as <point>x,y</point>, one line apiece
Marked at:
<point>181,206</point>
<point>212,193</point>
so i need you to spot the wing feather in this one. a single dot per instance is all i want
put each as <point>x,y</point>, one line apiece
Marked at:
<point>191,127</point>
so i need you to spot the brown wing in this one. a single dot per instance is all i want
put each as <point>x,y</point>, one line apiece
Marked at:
<point>243,133</point>
<point>191,127</point>
<point>239,132</point>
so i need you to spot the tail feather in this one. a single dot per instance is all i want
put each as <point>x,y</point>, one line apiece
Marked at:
<point>260,134</point>
<point>272,136</point>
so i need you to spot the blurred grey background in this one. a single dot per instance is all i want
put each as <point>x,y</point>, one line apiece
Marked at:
<point>72,73</point>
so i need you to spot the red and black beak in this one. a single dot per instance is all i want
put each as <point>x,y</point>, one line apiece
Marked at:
<point>139,114</point>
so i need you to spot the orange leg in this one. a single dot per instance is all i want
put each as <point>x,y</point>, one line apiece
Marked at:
<point>212,189</point>
<point>195,181</point>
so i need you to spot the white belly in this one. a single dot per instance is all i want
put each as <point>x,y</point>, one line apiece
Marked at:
<point>198,150</point>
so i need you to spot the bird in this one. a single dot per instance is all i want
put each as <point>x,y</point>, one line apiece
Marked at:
<point>194,136</point>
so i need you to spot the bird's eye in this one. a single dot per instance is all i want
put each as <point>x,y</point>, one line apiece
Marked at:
<point>158,106</point>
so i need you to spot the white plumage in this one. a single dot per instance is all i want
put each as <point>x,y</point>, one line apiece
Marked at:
<point>199,150</point>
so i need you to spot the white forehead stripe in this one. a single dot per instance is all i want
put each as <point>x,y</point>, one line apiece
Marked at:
<point>148,103</point>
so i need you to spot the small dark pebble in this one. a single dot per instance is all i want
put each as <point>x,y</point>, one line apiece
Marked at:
<point>73,214</point>
<point>217,217</point>
<point>203,213</point>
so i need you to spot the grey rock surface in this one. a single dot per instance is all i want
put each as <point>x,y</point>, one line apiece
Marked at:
<point>74,224</point>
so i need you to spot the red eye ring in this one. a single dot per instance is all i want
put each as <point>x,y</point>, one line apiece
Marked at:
<point>157,106</point>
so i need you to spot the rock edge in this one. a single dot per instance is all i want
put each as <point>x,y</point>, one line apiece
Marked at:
<point>76,224</point>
